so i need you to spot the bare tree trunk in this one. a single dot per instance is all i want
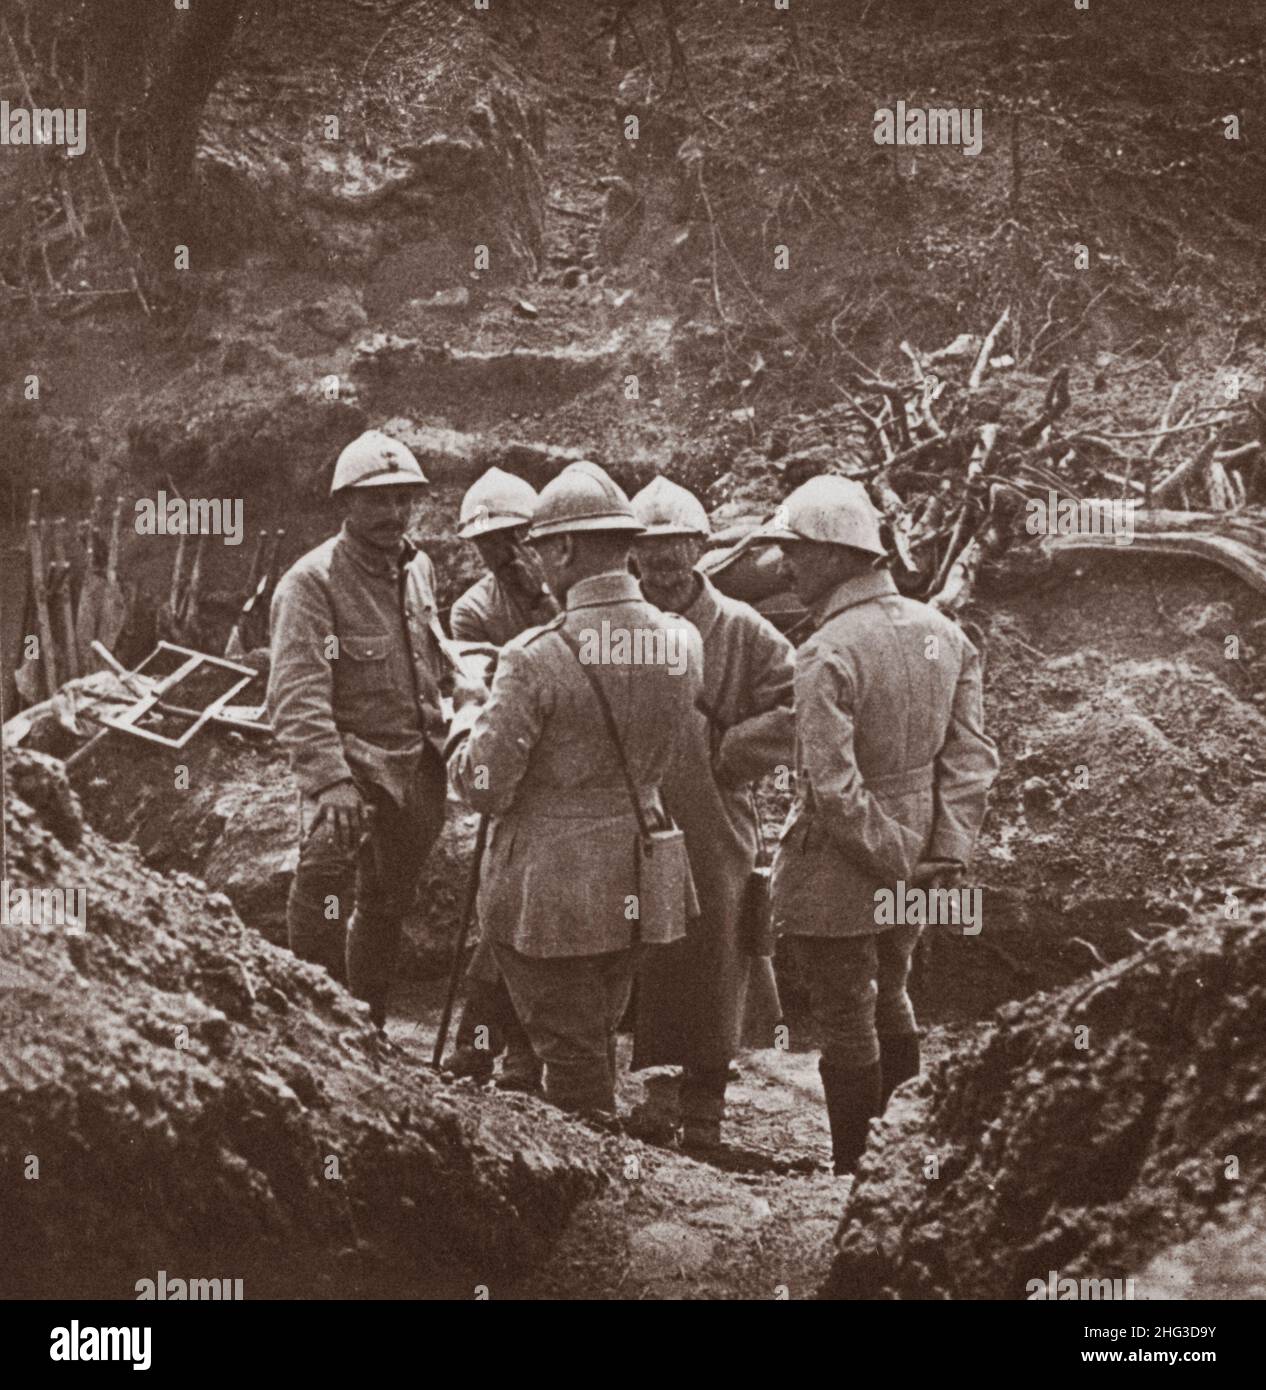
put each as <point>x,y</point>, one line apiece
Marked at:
<point>185,69</point>
<point>150,69</point>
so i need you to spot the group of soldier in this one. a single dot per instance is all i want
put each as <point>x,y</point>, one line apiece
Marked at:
<point>620,833</point>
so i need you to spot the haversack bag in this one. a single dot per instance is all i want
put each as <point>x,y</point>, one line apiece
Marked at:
<point>665,888</point>
<point>756,928</point>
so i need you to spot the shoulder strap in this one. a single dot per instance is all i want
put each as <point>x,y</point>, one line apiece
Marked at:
<point>609,720</point>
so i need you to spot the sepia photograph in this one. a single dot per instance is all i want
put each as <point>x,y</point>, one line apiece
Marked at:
<point>632,669</point>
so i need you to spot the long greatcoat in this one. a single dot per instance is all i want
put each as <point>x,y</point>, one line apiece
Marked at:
<point>688,994</point>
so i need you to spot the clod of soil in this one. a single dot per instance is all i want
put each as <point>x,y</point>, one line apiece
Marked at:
<point>1084,1132</point>
<point>1130,792</point>
<point>176,1093</point>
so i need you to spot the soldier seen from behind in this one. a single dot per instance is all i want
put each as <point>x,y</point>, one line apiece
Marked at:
<point>567,757</point>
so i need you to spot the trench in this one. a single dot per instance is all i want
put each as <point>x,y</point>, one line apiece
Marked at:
<point>1114,667</point>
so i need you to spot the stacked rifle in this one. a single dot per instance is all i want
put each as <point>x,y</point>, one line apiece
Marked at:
<point>75,606</point>
<point>71,601</point>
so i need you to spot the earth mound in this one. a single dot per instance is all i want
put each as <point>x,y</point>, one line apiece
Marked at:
<point>1086,1131</point>
<point>176,1093</point>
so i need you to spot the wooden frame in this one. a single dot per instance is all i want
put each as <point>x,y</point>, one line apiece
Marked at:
<point>127,722</point>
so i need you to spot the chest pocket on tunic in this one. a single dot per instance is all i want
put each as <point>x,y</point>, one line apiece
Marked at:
<point>363,665</point>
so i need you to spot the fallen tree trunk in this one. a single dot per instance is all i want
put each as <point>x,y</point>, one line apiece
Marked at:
<point>1236,541</point>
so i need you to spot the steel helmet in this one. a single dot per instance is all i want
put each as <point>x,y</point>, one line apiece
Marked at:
<point>376,460</point>
<point>830,509</point>
<point>494,502</point>
<point>582,498</point>
<point>666,508</point>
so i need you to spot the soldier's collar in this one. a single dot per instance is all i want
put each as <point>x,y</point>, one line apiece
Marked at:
<point>861,589</point>
<point>703,610</point>
<point>616,586</point>
<point>370,558</point>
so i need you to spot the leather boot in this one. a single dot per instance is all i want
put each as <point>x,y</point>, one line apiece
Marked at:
<point>898,1061</point>
<point>852,1101</point>
<point>521,1069</point>
<point>481,1011</point>
<point>702,1108</point>
<point>656,1118</point>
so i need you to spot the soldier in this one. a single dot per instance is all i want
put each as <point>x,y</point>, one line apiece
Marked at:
<point>495,514</point>
<point>893,771</point>
<point>354,696</point>
<point>562,884</point>
<point>689,996</point>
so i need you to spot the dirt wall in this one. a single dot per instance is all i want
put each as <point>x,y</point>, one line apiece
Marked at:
<point>176,1093</point>
<point>1084,1131</point>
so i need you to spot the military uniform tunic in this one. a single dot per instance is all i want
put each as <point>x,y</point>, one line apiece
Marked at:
<point>490,611</point>
<point>892,762</point>
<point>892,767</point>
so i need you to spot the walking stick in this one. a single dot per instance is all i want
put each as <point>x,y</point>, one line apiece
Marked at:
<point>468,911</point>
<point>760,987</point>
